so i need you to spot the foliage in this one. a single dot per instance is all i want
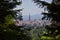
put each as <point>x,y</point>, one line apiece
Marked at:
<point>37,32</point>
<point>9,31</point>
<point>53,14</point>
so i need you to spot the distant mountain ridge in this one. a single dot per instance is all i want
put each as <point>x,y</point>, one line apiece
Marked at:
<point>36,16</point>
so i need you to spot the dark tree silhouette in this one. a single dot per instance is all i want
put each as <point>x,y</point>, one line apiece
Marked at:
<point>8,31</point>
<point>53,9</point>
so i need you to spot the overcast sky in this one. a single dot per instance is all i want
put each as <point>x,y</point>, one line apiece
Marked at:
<point>29,7</point>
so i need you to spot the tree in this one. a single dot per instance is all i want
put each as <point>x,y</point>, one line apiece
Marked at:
<point>8,31</point>
<point>53,14</point>
<point>19,16</point>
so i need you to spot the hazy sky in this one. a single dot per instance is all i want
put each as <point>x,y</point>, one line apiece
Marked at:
<point>30,7</point>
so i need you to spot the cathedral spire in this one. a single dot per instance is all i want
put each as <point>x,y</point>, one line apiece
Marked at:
<point>29,17</point>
